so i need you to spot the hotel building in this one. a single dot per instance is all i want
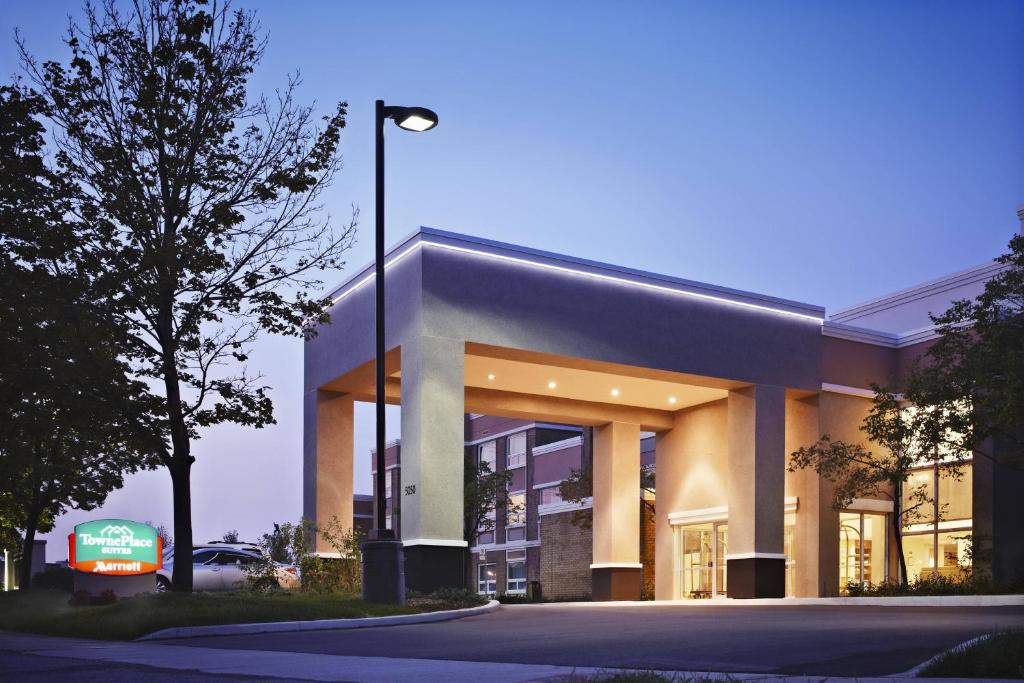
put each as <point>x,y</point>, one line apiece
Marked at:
<point>550,355</point>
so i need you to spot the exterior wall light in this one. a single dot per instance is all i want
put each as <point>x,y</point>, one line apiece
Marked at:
<point>490,376</point>
<point>615,393</point>
<point>672,400</point>
<point>552,385</point>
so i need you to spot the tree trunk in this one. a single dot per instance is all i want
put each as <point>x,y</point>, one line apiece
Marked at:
<point>181,482</point>
<point>27,548</point>
<point>897,532</point>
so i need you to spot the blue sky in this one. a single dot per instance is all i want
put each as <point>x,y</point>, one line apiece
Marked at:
<point>827,152</point>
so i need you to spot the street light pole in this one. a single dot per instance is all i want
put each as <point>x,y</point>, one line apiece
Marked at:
<point>381,531</point>
<point>383,556</point>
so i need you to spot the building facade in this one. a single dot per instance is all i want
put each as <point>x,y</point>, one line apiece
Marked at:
<point>728,382</point>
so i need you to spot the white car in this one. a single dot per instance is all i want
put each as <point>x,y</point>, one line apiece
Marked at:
<point>222,568</point>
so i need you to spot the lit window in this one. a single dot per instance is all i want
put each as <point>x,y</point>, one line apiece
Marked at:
<point>487,580</point>
<point>516,451</point>
<point>515,561</point>
<point>516,509</point>
<point>938,541</point>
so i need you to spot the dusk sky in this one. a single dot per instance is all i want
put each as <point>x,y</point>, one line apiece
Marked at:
<point>827,152</point>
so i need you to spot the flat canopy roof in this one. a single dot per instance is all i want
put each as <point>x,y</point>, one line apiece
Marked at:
<point>504,251</point>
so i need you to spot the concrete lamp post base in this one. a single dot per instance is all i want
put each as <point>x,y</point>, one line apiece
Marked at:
<point>383,571</point>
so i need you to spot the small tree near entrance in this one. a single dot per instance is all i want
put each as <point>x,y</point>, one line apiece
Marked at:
<point>483,491</point>
<point>907,439</point>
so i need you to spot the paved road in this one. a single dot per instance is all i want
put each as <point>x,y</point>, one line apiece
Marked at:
<point>801,640</point>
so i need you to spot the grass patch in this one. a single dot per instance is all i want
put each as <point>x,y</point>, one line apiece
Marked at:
<point>1001,656</point>
<point>47,612</point>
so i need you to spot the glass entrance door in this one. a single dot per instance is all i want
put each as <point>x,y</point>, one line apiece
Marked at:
<point>862,549</point>
<point>702,560</point>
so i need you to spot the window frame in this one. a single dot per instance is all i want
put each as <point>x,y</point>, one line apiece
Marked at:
<point>519,456</point>
<point>493,580</point>
<point>516,557</point>
<point>521,516</point>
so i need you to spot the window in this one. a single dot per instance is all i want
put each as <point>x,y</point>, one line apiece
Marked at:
<point>487,579</point>
<point>515,561</point>
<point>550,496</point>
<point>488,454</point>
<point>515,514</point>
<point>203,556</point>
<point>387,485</point>
<point>862,546</point>
<point>387,522</point>
<point>936,540</point>
<point>516,451</point>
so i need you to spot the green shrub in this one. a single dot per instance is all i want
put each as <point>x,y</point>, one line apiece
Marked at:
<point>55,578</point>
<point>445,599</point>
<point>318,574</point>
<point>962,584</point>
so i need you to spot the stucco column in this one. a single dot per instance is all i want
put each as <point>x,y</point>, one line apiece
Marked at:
<point>433,408</point>
<point>328,456</point>
<point>755,558</point>
<point>815,546</point>
<point>616,569</point>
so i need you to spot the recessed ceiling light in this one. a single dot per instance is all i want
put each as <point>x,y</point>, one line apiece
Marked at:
<point>615,392</point>
<point>552,385</point>
<point>490,376</point>
<point>672,400</point>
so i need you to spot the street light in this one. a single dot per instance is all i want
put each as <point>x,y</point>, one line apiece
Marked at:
<point>383,558</point>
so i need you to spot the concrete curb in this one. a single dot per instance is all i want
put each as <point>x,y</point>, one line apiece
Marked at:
<point>904,601</point>
<point>317,624</point>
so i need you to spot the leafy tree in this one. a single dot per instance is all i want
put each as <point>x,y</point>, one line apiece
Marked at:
<point>483,492</point>
<point>975,370</point>
<point>278,544</point>
<point>73,423</point>
<point>579,486</point>
<point>906,438</point>
<point>230,536</point>
<point>202,208</point>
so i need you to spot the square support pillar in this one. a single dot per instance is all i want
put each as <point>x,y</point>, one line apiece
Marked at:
<point>616,571</point>
<point>433,407</point>
<point>327,454</point>
<point>755,559</point>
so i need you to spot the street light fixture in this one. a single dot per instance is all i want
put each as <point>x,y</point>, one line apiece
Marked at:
<point>383,557</point>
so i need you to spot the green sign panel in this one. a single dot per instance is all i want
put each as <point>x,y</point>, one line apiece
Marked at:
<point>115,546</point>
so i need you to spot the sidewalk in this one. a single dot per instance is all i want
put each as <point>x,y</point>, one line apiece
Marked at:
<point>319,667</point>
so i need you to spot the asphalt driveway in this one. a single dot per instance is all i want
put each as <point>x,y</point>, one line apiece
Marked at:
<point>837,640</point>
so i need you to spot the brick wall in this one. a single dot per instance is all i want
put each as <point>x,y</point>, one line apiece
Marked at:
<point>565,556</point>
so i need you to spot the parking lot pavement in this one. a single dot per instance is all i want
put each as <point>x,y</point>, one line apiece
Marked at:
<point>834,640</point>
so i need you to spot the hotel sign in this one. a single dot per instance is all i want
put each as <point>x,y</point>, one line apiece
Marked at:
<point>116,547</point>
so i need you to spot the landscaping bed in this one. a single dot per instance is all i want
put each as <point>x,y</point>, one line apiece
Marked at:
<point>48,612</point>
<point>1001,656</point>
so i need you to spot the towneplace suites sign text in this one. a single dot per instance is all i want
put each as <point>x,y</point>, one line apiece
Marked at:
<point>116,547</point>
